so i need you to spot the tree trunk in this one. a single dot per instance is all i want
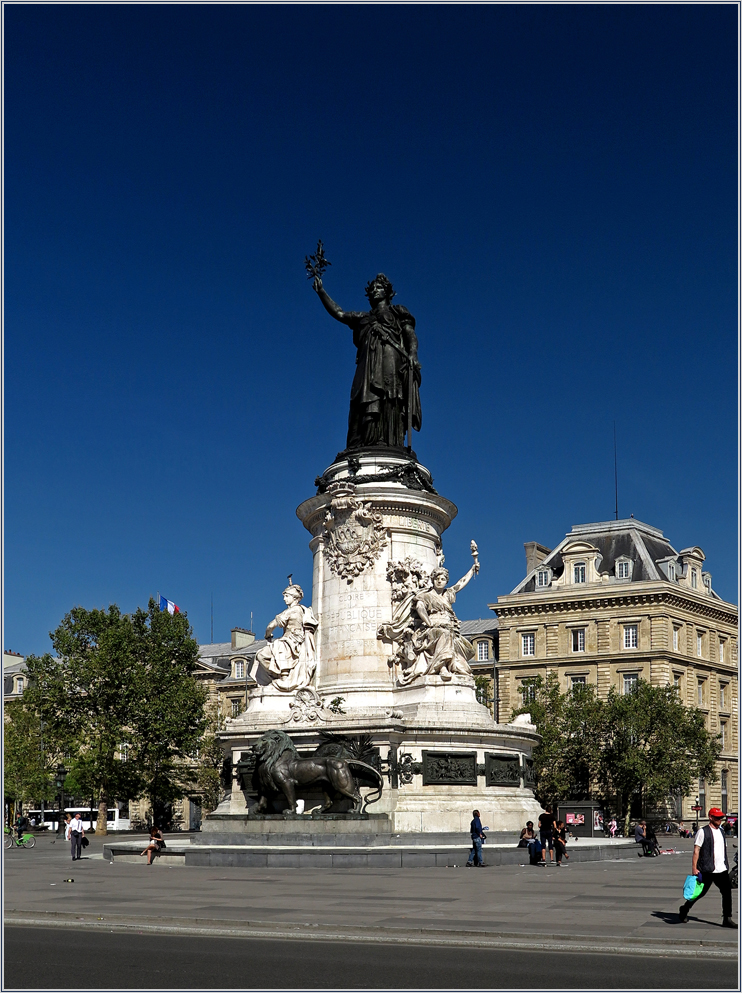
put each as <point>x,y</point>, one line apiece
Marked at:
<point>101,826</point>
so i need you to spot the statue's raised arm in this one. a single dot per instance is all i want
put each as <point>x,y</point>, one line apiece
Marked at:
<point>332,308</point>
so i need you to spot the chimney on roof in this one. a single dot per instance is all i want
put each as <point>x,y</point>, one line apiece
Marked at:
<point>535,554</point>
<point>242,638</point>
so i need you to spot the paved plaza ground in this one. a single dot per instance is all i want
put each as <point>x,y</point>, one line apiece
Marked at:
<point>622,910</point>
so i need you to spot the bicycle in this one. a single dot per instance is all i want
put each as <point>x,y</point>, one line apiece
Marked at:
<point>25,840</point>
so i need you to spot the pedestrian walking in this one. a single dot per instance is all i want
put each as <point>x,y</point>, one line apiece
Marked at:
<point>711,865</point>
<point>76,834</point>
<point>546,832</point>
<point>477,837</point>
<point>613,827</point>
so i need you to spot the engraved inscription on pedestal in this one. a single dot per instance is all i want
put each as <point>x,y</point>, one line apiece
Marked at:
<point>502,770</point>
<point>449,768</point>
<point>354,532</point>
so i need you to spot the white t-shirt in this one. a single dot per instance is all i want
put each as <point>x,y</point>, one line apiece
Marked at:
<point>718,836</point>
<point>75,826</point>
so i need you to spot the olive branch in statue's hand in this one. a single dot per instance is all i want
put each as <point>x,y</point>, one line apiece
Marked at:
<point>317,263</point>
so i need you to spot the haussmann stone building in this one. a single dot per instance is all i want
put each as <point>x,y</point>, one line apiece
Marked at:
<point>614,602</point>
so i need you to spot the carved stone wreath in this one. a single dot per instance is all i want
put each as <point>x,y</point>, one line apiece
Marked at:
<point>354,532</point>
<point>306,705</point>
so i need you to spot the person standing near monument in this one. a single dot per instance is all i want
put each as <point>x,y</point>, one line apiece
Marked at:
<point>546,831</point>
<point>477,837</point>
<point>385,395</point>
<point>711,865</point>
<point>76,834</point>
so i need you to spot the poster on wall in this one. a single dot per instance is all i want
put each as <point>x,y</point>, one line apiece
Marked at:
<point>575,819</point>
<point>597,820</point>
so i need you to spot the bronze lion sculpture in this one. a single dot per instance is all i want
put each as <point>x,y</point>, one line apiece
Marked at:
<point>279,769</point>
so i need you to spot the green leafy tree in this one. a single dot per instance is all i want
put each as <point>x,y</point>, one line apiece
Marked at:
<point>645,742</point>
<point>116,678</point>
<point>29,756</point>
<point>653,745</point>
<point>210,768</point>
<point>567,759</point>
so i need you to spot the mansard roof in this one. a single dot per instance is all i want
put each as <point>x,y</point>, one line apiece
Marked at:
<point>645,546</point>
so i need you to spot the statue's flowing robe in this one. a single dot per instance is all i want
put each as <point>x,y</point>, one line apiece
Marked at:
<point>439,646</point>
<point>379,394</point>
<point>292,658</point>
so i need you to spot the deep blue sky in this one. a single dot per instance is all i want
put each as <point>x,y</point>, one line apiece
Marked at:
<point>552,190</point>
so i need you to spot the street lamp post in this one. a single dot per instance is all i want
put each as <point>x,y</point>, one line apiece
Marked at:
<point>59,778</point>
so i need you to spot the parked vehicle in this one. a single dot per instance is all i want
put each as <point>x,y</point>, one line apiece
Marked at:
<point>114,821</point>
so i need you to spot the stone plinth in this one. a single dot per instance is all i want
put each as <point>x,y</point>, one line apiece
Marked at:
<point>438,749</point>
<point>352,660</point>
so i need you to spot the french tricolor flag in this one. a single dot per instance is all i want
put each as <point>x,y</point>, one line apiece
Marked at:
<point>168,605</point>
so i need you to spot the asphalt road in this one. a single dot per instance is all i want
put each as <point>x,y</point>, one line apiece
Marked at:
<point>48,958</point>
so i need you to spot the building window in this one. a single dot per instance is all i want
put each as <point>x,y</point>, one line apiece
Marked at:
<point>529,644</point>
<point>578,683</point>
<point>722,695</point>
<point>671,571</point>
<point>235,708</point>
<point>724,790</point>
<point>630,636</point>
<point>694,579</point>
<point>239,670</point>
<point>675,639</point>
<point>196,753</point>
<point>721,650</point>
<point>528,690</point>
<point>124,751</point>
<point>701,692</point>
<point>579,572</point>
<point>19,685</point>
<point>699,644</point>
<point>723,735</point>
<point>578,640</point>
<point>483,651</point>
<point>543,577</point>
<point>701,799</point>
<point>676,682</point>
<point>623,570</point>
<point>707,582</point>
<point>630,682</point>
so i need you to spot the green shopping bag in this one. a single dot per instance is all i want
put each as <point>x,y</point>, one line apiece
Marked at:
<point>692,887</point>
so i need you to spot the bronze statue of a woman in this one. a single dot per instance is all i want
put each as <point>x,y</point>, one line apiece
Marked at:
<point>385,395</point>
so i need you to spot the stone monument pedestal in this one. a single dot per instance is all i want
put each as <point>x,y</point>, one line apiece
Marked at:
<point>376,525</point>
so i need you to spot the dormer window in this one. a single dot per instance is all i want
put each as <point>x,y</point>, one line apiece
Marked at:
<point>706,577</point>
<point>483,651</point>
<point>622,570</point>
<point>239,670</point>
<point>579,572</point>
<point>19,684</point>
<point>671,571</point>
<point>544,577</point>
<point>694,579</point>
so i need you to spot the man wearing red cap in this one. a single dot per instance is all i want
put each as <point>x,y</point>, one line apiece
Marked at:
<point>711,865</point>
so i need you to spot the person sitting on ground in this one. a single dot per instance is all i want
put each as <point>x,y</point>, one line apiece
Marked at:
<point>560,842</point>
<point>155,846</point>
<point>651,846</point>
<point>526,835</point>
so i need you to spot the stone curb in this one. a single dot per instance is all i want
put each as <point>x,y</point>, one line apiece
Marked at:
<point>421,936</point>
